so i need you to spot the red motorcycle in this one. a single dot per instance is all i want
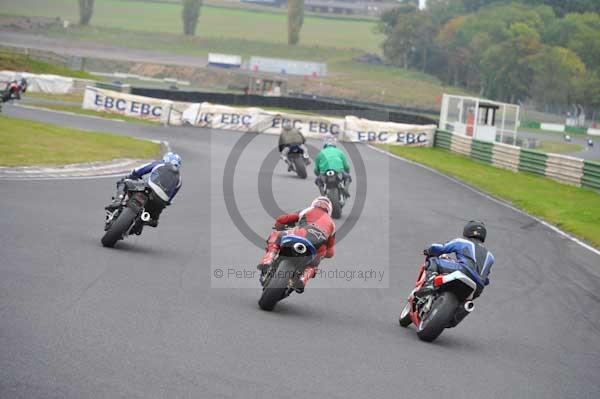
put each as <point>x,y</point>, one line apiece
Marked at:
<point>445,306</point>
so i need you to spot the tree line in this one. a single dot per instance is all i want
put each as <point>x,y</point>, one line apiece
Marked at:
<point>545,51</point>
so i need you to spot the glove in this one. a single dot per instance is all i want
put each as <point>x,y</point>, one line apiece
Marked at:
<point>426,252</point>
<point>279,226</point>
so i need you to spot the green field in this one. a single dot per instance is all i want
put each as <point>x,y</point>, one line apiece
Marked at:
<point>18,62</point>
<point>215,22</point>
<point>336,42</point>
<point>25,143</point>
<point>556,147</point>
<point>573,209</point>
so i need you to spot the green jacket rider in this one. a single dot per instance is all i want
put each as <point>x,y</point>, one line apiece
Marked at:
<point>332,158</point>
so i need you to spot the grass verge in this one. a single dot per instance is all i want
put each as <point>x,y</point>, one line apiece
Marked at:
<point>575,210</point>
<point>556,147</point>
<point>214,22</point>
<point>25,143</point>
<point>19,62</point>
<point>88,112</point>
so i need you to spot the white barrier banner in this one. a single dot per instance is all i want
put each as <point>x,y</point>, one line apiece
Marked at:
<point>553,127</point>
<point>221,117</point>
<point>52,84</point>
<point>315,127</point>
<point>373,132</point>
<point>593,132</point>
<point>255,119</point>
<point>126,104</point>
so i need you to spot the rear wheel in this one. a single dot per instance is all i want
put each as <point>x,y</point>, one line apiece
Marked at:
<point>334,197</point>
<point>118,228</point>
<point>405,319</point>
<point>275,289</point>
<point>300,167</point>
<point>439,317</point>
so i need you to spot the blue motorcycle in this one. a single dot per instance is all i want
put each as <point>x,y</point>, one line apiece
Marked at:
<point>278,282</point>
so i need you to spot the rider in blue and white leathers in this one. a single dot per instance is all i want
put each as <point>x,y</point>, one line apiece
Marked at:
<point>472,257</point>
<point>164,180</point>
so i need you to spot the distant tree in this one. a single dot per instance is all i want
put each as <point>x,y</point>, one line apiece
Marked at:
<point>295,20</point>
<point>580,33</point>
<point>563,7</point>
<point>558,73</point>
<point>589,92</point>
<point>507,67</point>
<point>455,50</point>
<point>189,15</point>
<point>410,34</point>
<point>86,9</point>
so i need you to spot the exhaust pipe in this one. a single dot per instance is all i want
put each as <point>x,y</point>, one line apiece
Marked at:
<point>469,306</point>
<point>145,216</point>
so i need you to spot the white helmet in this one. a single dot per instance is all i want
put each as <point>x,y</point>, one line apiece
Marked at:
<point>323,203</point>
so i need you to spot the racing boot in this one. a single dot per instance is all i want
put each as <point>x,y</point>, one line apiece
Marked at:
<point>306,158</point>
<point>271,252</point>
<point>427,287</point>
<point>300,283</point>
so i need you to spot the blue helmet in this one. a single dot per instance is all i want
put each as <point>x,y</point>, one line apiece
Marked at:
<point>173,159</point>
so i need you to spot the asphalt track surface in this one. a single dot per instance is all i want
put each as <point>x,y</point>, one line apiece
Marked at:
<point>82,48</point>
<point>142,321</point>
<point>589,153</point>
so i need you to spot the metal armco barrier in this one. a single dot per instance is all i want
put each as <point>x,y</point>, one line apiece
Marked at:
<point>562,168</point>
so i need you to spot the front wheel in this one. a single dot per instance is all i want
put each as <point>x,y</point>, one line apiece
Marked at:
<point>334,197</point>
<point>405,319</point>
<point>439,317</point>
<point>119,227</point>
<point>300,167</point>
<point>275,290</point>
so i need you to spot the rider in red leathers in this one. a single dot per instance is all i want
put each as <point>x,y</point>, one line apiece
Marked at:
<point>313,223</point>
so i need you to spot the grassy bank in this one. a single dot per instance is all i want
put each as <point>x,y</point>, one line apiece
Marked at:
<point>346,77</point>
<point>214,22</point>
<point>556,147</point>
<point>21,63</point>
<point>573,209</point>
<point>30,143</point>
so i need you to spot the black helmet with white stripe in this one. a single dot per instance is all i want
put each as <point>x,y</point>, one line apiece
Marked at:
<point>475,229</point>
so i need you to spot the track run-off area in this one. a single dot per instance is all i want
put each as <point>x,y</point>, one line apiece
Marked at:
<point>149,319</point>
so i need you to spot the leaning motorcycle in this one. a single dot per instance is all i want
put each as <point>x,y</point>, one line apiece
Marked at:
<point>296,161</point>
<point>333,187</point>
<point>450,301</point>
<point>127,215</point>
<point>295,254</point>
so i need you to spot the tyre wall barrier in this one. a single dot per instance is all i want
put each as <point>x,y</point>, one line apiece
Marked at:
<point>591,175</point>
<point>562,168</point>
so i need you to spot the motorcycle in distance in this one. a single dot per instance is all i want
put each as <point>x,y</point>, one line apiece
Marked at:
<point>333,188</point>
<point>296,161</point>
<point>295,254</point>
<point>12,92</point>
<point>128,215</point>
<point>450,301</point>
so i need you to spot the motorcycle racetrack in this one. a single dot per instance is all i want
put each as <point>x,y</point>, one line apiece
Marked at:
<point>151,319</point>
